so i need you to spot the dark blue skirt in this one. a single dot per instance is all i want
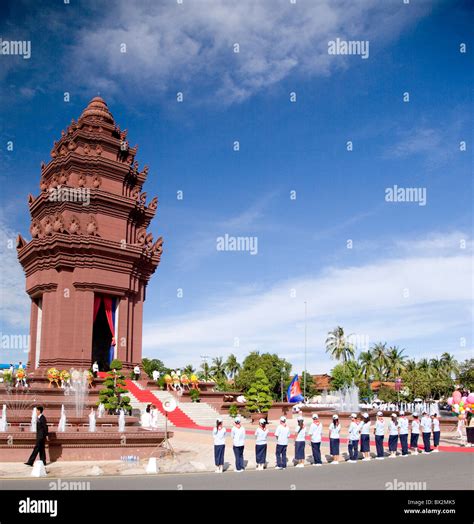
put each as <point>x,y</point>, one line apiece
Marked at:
<point>299,450</point>
<point>436,437</point>
<point>219,455</point>
<point>392,442</point>
<point>365,443</point>
<point>261,453</point>
<point>334,446</point>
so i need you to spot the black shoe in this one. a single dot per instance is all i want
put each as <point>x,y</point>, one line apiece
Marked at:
<point>28,464</point>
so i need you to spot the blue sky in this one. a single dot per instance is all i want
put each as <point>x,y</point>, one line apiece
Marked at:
<point>233,301</point>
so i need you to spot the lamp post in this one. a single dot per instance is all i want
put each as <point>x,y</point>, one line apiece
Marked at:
<point>305,330</point>
<point>281,383</point>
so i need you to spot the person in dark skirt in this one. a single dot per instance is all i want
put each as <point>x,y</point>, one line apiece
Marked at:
<point>261,434</point>
<point>316,433</point>
<point>403,425</point>
<point>379,433</point>
<point>334,438</point>
<point>393,436</point>
<point>365,436</point>
<point>436,432</point>
<point>300,442</point>
<point>219,434</point>
<point>41,435</point>
<point>415,434</point>
<point>282,434</point>
<point>426,427</point>
<point>238,441</point>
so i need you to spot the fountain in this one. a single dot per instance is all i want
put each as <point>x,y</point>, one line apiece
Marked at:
<point>92,421</point>
<point>3,420</point>
<point>101,410</point>
<point>62,420</point>
<point>121,421</point>
<point>347,399</point>
<point>80,386</point>
<point>34,418</point>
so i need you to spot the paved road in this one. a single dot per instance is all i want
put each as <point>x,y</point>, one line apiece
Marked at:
<point>439,471</point>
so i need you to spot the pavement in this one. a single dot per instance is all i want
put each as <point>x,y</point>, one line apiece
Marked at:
<point>439,471</point>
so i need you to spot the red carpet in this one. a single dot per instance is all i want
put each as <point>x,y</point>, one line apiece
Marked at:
<point>177,417</point>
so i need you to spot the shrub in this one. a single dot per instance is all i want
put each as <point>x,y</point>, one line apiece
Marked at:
<point>233,410</point>
<point>259,398</point>
<point>194,394</point>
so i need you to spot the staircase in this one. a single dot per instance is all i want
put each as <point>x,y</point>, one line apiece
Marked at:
<point>200,413</point>
<point>141,407</point>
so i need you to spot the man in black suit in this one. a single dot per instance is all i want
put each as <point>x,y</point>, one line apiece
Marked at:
<point>41,434</point>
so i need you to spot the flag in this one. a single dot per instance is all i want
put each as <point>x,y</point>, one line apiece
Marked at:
<point>294,391</point>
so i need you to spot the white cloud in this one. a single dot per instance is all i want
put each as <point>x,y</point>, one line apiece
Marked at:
<point>191,44</point>
<point>368,300</point>
<point>14,302</point>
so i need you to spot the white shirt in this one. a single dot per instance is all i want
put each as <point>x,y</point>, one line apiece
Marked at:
<point>261,436</point>
<point>156,374</point>
<point>354,431</point>
<point>238,436</point>
<point>365,428</point>
<point>435,424</point>
<point>403,422</point>
<point>393,427</point>
<point>316,431</point>
<point>300,434</point>
<point>426,424</point>
<point>415,427</point>
<point>20,366</point>
<point>95,367</point>
<point>282,434</point>
<point>380,428</point>
<point>219,436</point>
<point>136,370</point>
<point>334,430</point>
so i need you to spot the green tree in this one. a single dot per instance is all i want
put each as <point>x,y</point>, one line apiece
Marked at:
<point>275,369</point>
<point>367,364</point>
<point>112,395</point>
<point>259,397</point>
<point>338,346</point>
<point>465,375</point>
<point>418,383</point>
<point>387,394</point>
<point>311,390</point>
<point>449,363</point>
<point>341,376</point>
<point>218,369</point>
<point>155,364</point>
<point>395,362</point>
<point>232,365</point>
<point>205,372</point>
<point>379,352</point>
<point>189,370</point>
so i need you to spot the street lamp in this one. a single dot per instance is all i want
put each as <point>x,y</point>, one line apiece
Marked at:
<point>305,332</point>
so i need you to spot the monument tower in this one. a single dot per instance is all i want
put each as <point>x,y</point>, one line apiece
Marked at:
<point>90,256</point>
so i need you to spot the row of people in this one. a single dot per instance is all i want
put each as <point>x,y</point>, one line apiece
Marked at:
<point>359,431</point>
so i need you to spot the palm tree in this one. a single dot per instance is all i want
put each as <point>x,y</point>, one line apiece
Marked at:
<point>367,362</point>
<point>189,370</point>
<point>410,365</point>
<point>218,369</point>
<point>449,363</point>
<point>338,346</point>
<point>379,352</point>
<point>232,365</point>
<point>205,371</point>
<point>395,361</point>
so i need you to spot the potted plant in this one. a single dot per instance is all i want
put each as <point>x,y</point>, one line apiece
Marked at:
<point>194,394</point>
<point>259,398</point>
<point>112,396</point>
<point>233,410</point>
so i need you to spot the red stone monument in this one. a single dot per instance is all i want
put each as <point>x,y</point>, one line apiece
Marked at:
<point>90,256</point>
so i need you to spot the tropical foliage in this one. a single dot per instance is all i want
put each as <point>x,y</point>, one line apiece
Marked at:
<point>112,395</point>
<point>259,398</point>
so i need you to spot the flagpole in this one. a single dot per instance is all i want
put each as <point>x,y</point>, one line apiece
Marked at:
<point>304,381</point>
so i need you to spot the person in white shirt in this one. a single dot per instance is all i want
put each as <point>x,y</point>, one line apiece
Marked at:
<point>282,434</point>
<point>154,416</point>
<point>261,434</point>
<point>393,435</point>
<point>316,432</point>
<point>300,442</point>
<point>155,375</point>
<point>145,419</point>
<point>365,436</point>
<point>238,441</point>
<point>415,433</point>
<point>426,426</point>
<point>334,439</point>
<point>436,432</point>
<point>403,425</point>
<point>353,440</point>
<point>95,369</point>
<point>219,434</point>
<point>379,432</point>
<point>136,372</point>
